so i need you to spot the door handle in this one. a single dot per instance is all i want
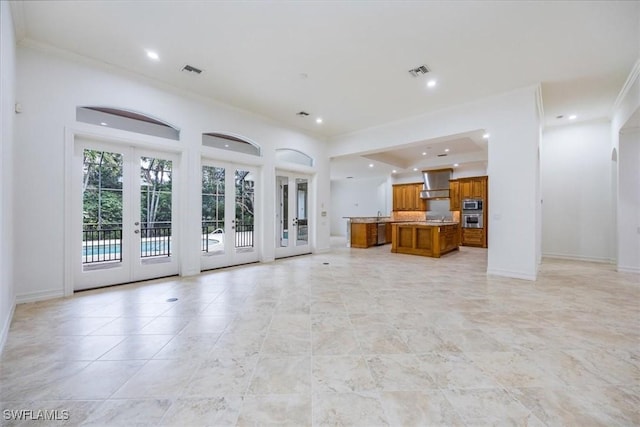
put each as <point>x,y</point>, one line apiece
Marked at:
<point>136,223</point>
<point>136,231</point>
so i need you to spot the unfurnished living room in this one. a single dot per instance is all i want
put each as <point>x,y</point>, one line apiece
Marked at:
<point>405,213</point>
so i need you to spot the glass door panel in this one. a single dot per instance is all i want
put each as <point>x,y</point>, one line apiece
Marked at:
<point>244,216</point>
<point>302,219</point>
<point>292,214</point>
<point>102,207</point>
<point>228,215</point>
<point>213,210</point>
<point>155,209</point>
<point>282,211</point>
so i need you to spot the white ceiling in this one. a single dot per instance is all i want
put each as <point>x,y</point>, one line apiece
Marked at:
<point>356,54</point>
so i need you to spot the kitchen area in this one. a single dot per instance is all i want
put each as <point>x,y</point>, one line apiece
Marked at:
<point>429,218</point>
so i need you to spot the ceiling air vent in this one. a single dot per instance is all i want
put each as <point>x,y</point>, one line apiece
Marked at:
<point>302,114</point>
<point>419,71</point>
<point>191,69</point>
<point>442,155</point>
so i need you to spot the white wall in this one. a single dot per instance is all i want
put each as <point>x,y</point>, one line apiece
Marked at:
<point>628,203</point>
<point>513,122</point>
<point>52,84</point>
<point>576,191</point>
<point>356,197</point>
<point>7,102</point>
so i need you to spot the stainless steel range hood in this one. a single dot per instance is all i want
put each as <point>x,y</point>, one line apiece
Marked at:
<point>436,184</point>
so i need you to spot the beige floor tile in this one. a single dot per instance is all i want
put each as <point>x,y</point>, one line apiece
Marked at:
<point>223,376</point>
<point>216,411</point>
<point>139,412</point>
<point>481,407</point>
<point>348,409</point>
<point>341,374</point>
<point>350,336</point>
<point>158,379</point>
<point>282,375</point>
<point>399,372</point>
<point>276,410</point>
<point>419,408</point>
<point>137,347</point>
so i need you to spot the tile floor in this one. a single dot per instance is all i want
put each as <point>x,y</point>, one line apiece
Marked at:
<point>351,337</point>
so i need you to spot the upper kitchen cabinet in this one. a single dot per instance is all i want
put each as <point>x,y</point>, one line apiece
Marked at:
<point>454,195</point>
<point>473,188</point>
<point>406,197</point>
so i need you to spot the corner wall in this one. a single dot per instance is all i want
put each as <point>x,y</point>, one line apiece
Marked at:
<point>7,105</point>
<point>626,140</point>
<point>576,192</point>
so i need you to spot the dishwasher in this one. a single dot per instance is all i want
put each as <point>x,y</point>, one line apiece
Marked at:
<point>382,233</point>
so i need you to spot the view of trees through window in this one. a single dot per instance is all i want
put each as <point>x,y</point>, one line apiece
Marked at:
<point>102,191</point>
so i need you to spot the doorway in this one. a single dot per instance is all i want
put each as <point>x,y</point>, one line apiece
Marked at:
<point>229,235</point>
<point>292,214</point>
<point>124,214</point>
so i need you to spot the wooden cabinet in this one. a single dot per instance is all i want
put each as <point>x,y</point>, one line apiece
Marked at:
<point>365,234</point>
<point>454,195</point>
<point>372,234</point>
<point>473,237</point>
<point>406,197</point>
<point>473,188</point>
<point>424,240</point>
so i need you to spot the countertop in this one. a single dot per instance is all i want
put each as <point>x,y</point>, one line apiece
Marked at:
<point>386,219</point>
<point>428,223</point>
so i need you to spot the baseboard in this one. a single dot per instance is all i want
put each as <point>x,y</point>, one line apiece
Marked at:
<point>4,334</point>
<point>625,269</point>
<point>577,258</point>
<point>38,296</point>
<point>511,274</point>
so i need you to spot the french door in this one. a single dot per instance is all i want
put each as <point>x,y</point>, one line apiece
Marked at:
<point>292,214</point>
<point>124,204</point>
<point>229,235</point>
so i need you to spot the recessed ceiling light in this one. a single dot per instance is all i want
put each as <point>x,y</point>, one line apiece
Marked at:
<point>415,169</point>
<point>226,145</point>
<point>394,171</point>
<point>455,165</point>
<point>431,83</point>
<point>485,136</point>
<point>370,165</point>
<point>573,117</point>
<point>424,153</point>
<point>446,150</point>
<point>153,55</point>
<point>103,124</point>
<point>319,120</point>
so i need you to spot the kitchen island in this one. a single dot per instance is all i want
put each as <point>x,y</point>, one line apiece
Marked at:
<point>366,231</point>
<point>425,238</point>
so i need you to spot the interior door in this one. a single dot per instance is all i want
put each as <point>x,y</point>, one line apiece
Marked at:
<point>228,215</point>
<point>125,214</point>
<point>292,214</point>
